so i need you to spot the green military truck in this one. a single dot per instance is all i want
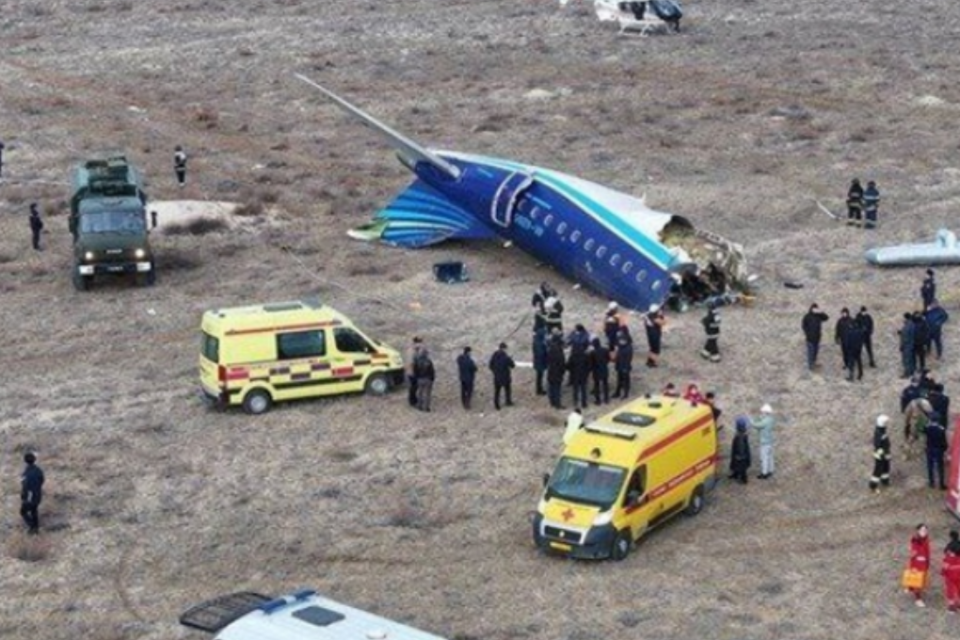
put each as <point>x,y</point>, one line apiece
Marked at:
<point>108,220</point>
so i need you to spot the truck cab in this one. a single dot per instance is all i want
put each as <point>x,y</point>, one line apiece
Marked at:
<point>108,221</point>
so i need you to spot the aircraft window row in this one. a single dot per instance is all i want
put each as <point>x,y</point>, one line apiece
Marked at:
<point>561,228</point>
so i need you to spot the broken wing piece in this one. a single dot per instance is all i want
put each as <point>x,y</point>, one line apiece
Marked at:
<point>421,216</point>
<point>407,147</point>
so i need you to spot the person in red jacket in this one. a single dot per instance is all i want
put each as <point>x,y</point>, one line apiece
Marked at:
<point>920,560</point>
<point>951,572</point>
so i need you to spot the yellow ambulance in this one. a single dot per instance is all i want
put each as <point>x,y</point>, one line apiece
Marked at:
<point>257,355</point>
<point>622,475</point>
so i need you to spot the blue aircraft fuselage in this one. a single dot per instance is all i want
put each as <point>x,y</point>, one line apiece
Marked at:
<point>555,220</point>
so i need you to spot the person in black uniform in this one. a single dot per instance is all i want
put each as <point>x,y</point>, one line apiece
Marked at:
<point>865,320</point>
<point>936,449</point>
<point>578,364</point>
<point>36,225</point>
<point>623,364</point>
<point>556,368</point>
<point>540,358</point>
<point>851,346</point>
<point>31,493</point>
<point>467,371</point>
<point>921,340</point>
<point>180,165</point>
<point>855,203</point>
<point>501,364</point>
<point>740,452</point>
<point>1,157</point>
<point>653,324</point>
<point>928,289</point>
<point>812,325</point>
<point>871,205</point>
<point>600,368</point>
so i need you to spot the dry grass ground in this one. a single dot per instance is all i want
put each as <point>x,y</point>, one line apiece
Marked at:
<point>739,122</point>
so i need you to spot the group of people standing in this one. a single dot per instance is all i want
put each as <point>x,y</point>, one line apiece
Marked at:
<point>854,335</point>
<point>863,205</point>
<point>915,578</point>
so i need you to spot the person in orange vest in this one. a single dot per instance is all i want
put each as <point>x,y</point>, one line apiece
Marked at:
<point>951,572</point>
<point>920,561</point>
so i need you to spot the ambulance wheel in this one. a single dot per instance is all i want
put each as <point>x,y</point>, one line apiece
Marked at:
<point>256,402</point>
<point>620,548</point>
<point>695,505</point>
<point>377,385</point>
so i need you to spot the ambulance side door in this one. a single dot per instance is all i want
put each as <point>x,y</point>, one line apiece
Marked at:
<point>351,360</point>
<point>636,502</point>
<point>301,369</point>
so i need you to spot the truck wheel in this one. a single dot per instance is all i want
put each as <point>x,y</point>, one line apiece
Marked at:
<point>80,282</point>
<point>256,402</point>
<point>620,548</point>
<point>376,385</point>
<point>150,278</point>
<point>695,505</point>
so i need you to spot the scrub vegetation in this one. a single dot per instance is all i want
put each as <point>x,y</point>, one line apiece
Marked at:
<point>737,123</point>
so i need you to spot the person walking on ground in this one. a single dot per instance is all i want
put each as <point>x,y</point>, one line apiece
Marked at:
<point>501,364</point>
<point>556,369</point>
<point>907,358</point>
<point>467,372</point>
<point>31,493</point>
<point>936,450</point>
<point>871,206</point>
<point>928,289</point>
<point>711,326</point>
<point>740,452</point>
<point>600,370</point>
<point>1,158</point>
<point>425,373</point>
<point>865,320</point>
<point>653,323</point>
<point>36,225</point>
<point>412,354</point>
<point>180,165</point>
<point>553,313</point>
<point>623,364</point>
<point>540,358</point>
<point>936,316</point>
<point>812,325</point>
<point>855,203</point>
<point>851,345</point>
<point>578,364</point>
<point>951,572</point>
<point>881,455</point>
<point>765,425</point>
<point>919,562</point>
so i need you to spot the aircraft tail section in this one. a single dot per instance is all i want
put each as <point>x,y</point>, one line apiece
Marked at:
<point>421,216</point>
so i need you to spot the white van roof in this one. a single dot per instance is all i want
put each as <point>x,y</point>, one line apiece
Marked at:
<point>301,615</point>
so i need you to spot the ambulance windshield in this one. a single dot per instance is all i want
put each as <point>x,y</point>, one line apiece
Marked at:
<point>586,482</point>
